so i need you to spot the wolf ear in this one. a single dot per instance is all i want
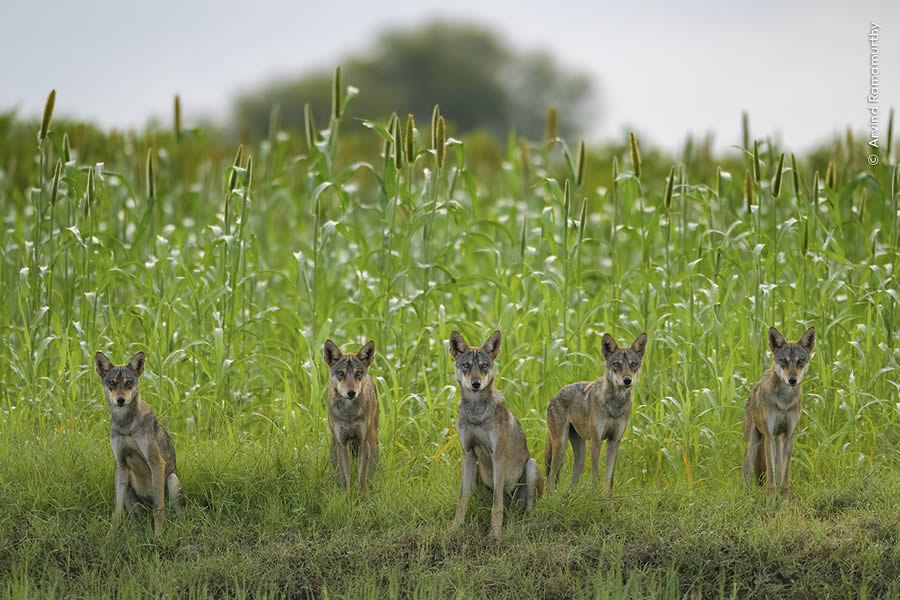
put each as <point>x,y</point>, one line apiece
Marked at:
<point>102,364</point>
<point>640,345</point>
<point>332,353</point>
<point>608,345</point>
<point>367,353</point>
<point>492,345</point>
<point>808,339</point>
<point>136,363</point>
<point>458,344</point>
<point>776,340</point>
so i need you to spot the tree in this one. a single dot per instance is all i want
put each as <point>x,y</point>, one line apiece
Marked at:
<point>479,82</point>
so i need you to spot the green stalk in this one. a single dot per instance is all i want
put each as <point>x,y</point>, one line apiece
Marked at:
<point>667,205</point>
<point>54,193</point>
<point>776,192</point>
<point>682,187</point>
<point>337,103</point>
<point>582,219</point>
<point>719,199</point>
<point>37,230</point>
<point>523,241</point>
<point>236,262</point>
<point>567,202</point>
<point>441,157</point>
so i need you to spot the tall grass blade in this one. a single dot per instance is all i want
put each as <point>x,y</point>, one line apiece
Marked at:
<point>337,100</point>
<point>579,166</point>
<point>552,129</point>
<point>441,142</point>
<point>635,152</point>
<point>435,117</point>
<point>67,149</point>
<point>749,189</point>
<point>409,139</point>
<point>177,118</point>
<point>151,175</point>
<point>779,172</point>
<point>757,170</point>
<point>309,127</point>
<point>831,176</point>
<point>48,116</point>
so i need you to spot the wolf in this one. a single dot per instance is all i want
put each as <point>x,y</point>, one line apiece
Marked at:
<point>495,451</point>
<point>146,473</point>
<point>596,411</point>
<point>772,414</point>
<point>352,412</point>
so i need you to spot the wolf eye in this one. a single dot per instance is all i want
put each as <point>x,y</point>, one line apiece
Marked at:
<point>467,365</point>
<point>340,374</point>
<point>359,373</point>
<point>800,362</point>
<point>784,362</point>
<point>617,365</point>
<point>634,364</point>
<point>127,385</point>
<point>484,365</point>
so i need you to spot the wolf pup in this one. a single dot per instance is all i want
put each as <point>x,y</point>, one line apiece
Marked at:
<point>145,457</point>
<point>772,413</point>
<point>596,411</point>
<point>494,448</point>
<point>352,413</point>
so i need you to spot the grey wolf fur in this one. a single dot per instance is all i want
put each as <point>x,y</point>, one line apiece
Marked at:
<point>773,411</point>
<point>495,451</point>
<point>596,411</point>
<point>145,457</point>
<point>352,412</point>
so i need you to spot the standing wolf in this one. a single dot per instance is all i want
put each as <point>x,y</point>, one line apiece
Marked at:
<point>493,443</point>
<point>145,457</point>
<point>773,411</point>
<point>596,411</point>
<point>352,412</point>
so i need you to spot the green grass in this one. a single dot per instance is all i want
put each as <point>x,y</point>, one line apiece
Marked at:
<point>265,517</point>
<point>232,295</point>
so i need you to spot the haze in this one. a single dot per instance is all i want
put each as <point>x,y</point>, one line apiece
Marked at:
<point>665,69</point>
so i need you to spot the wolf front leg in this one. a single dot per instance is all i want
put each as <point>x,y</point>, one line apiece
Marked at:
<point>771,462</point>
<point>373,454</point>
<point>121,488</point>
<point>579,451</point>
<point>469,472</point>
<point>158,479</point>
<point>787,449</point>
<point>596,444</point>
<point>363,472</point>
<point>497,508</point>
<point>612,450</point>
<point>343,456</point>
<point>532,477</point>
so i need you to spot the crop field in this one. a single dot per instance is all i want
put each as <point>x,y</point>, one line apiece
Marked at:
<point>231,267</point>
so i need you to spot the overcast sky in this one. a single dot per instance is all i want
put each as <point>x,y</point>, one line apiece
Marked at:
<point>801,69</point>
